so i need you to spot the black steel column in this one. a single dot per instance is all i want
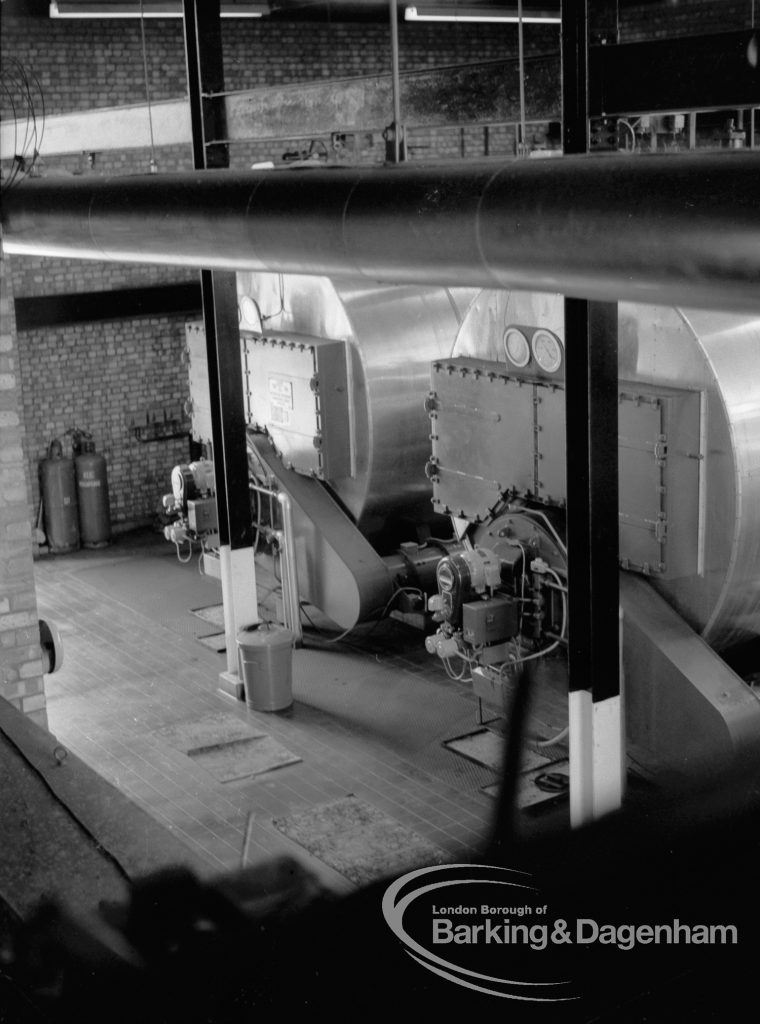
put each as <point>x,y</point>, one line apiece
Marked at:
<point>205,76</point>
<point>592,432</point>
<point>205,82</point>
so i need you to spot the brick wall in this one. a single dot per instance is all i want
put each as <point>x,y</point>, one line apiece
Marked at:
<point>108,378</point>
<point>677,19</point>
<point>101,61</point>
<point>20,656</point>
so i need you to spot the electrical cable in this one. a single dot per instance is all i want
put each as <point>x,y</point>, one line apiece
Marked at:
<point>524,573</point>
<point>545,650</point>
<point>553,740</point>
<point>379,619</point>
<point>537,512</point>
<point>12,172</point>
<point>38,143</point>
<point>184,561</point>
<point>629,126</point>
<point>522,149</point>
<point>270,316</point>
<point>457,676</point>
<point>17,81</point>
<point>153,164</point>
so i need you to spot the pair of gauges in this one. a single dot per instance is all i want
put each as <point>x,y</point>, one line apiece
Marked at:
<point>545,347</point>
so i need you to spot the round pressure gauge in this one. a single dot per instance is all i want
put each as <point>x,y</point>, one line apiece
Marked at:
<point>547,351</point>
<point>516,346</point>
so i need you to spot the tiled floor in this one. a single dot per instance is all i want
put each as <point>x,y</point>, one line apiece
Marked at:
<point>368,719</point>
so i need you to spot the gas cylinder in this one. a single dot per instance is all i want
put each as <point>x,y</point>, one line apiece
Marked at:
<point>92,488</point>
<point>59,498</point>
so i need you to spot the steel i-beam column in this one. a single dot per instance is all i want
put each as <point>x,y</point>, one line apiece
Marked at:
<point>398,152</point>
<point>205,74</point>
<point>597,755</point>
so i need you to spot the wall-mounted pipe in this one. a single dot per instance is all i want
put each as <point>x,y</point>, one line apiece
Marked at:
<point>670,228</point>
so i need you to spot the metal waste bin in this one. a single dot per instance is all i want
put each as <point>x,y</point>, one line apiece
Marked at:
<point>265,657</point>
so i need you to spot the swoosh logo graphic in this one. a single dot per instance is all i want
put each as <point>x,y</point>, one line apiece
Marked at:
<point>402,894</point>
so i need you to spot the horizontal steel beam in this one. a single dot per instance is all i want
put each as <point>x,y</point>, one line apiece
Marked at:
<point>691,73</point>
<point>682,229</point>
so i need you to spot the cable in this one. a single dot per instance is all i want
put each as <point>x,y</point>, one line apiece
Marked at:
<point>381,616</point>
<point>522,591</point>
<point>184,561</point>
<point>537,512</point>
<point>629,126</point>
<point>17,81</point>
<point>564,601</point>
<point>204,551</point>
<point>270,316</point>
<point>153,164</point>
<point>553,739</point>
<point>450,671</point>
<point>545,650</point>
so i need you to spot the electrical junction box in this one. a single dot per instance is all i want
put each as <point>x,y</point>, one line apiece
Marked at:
<point>297,391</point>
<point>490,621</point>
<point>201,515</point>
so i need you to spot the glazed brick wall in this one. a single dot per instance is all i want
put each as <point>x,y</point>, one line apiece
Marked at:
<point>99,377</point>
<point>21,680</point>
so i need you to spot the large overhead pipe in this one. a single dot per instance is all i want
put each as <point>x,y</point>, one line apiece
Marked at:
<point>671,228</point>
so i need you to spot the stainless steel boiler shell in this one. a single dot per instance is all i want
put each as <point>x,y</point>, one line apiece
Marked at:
<point>716,355</point>
<point>393,333</point>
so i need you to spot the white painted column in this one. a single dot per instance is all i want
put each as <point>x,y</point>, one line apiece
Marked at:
<point>238,577</point>
<point>597,751</point>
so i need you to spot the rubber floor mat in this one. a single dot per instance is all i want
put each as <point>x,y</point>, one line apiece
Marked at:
<point>358,840</point>
<point>483,747</point>
<point>208,730</point>
<point>213,613</point>
<point>486,748</point>
<point>241,758</point>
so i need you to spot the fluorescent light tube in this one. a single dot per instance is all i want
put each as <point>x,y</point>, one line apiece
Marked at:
<point>475,14</point>
<point>158,10</point>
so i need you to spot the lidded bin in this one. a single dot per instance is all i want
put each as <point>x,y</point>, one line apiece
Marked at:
<point>265,657</point>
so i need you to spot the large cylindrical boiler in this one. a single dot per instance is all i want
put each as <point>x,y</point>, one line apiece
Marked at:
<point>391,335</point>
<point>690,443</point>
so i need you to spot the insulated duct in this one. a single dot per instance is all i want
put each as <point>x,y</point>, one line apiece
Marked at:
<point>669,228</point>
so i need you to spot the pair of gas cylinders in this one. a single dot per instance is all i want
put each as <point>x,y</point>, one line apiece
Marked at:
<point>75,499</point>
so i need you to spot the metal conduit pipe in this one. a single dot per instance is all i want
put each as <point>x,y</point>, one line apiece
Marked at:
<point>285,537</point>
<point>292,594</point>
<point>660,228</point>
